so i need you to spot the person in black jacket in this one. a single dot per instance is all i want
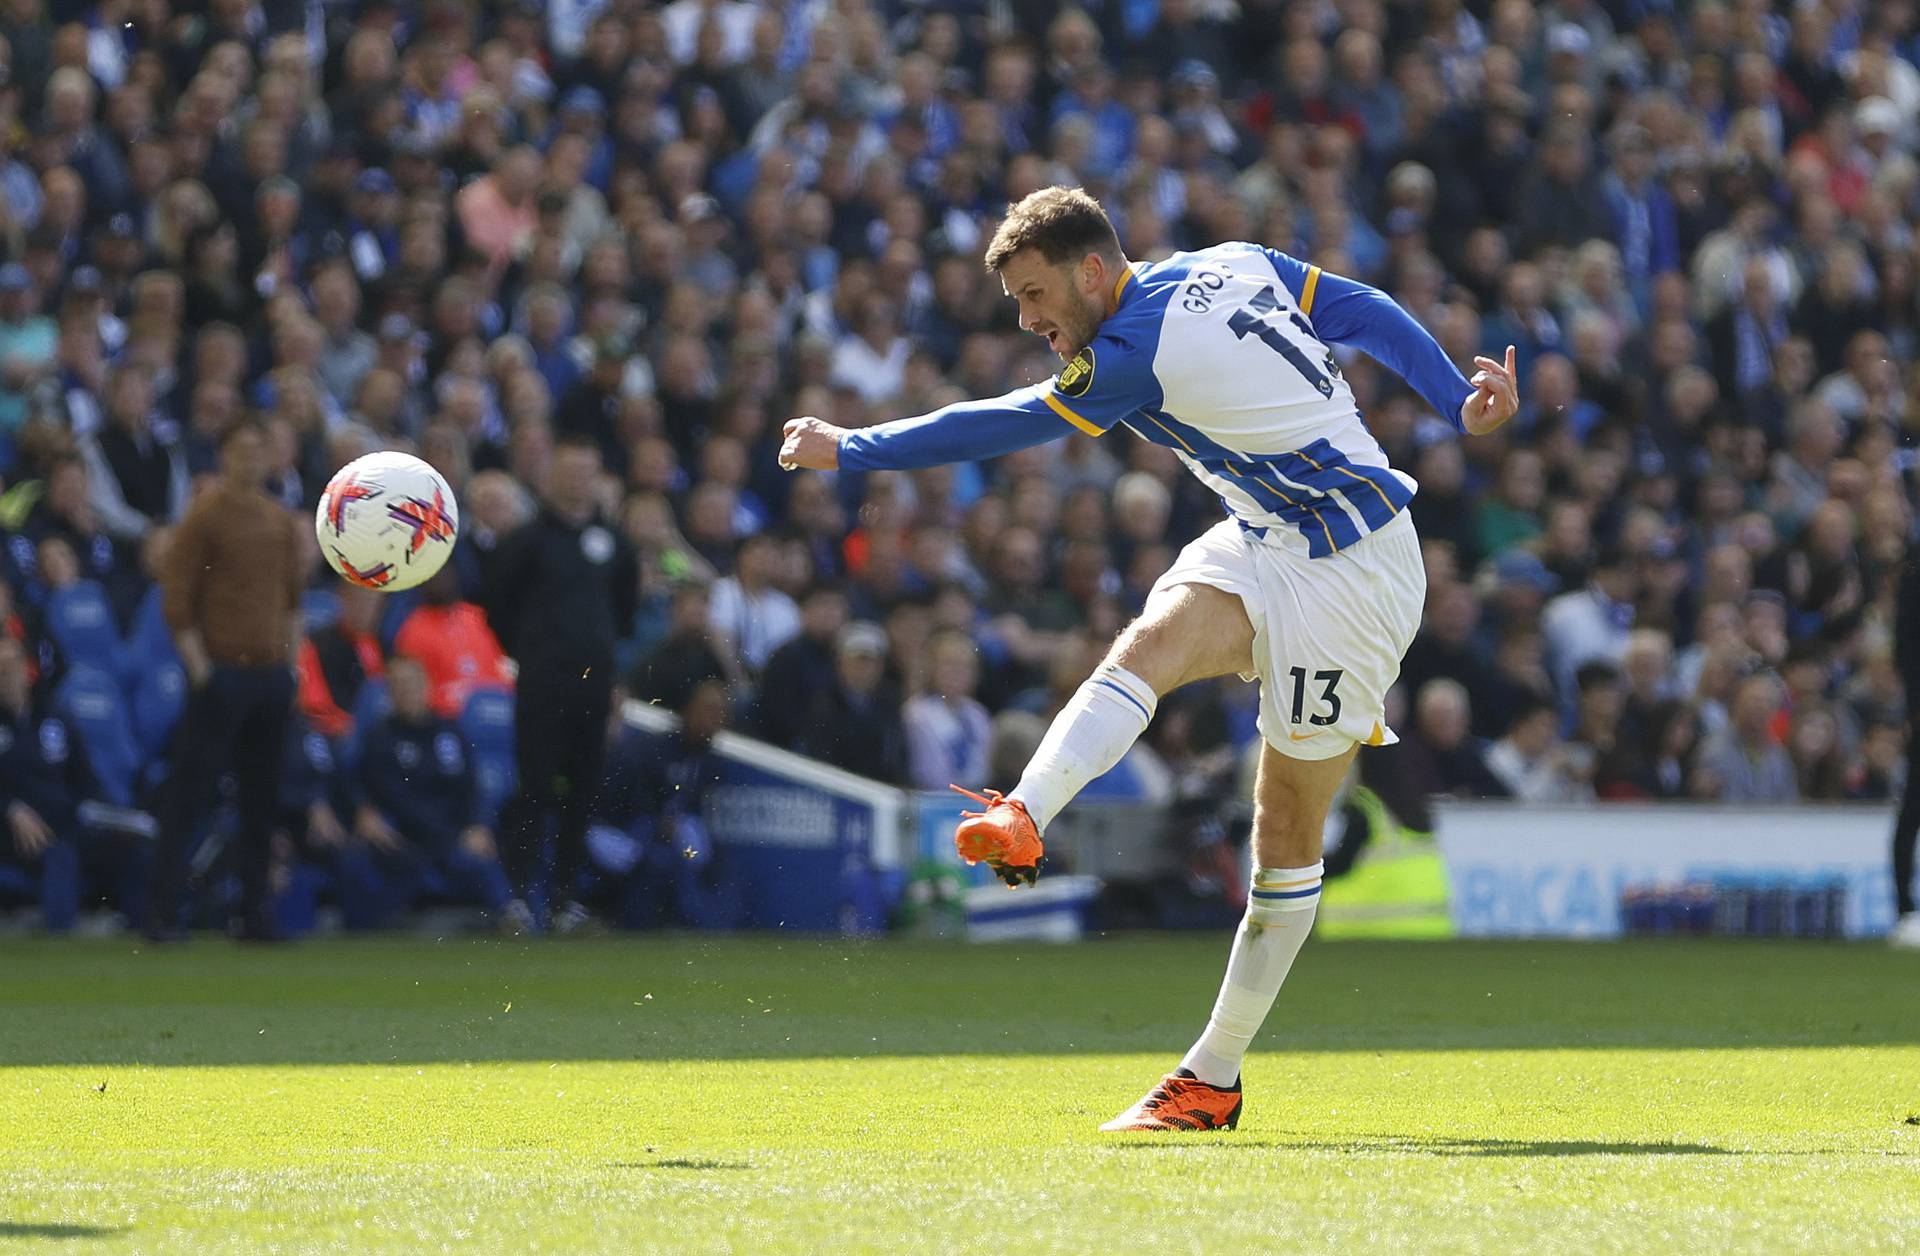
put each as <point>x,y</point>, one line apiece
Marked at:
<point>656,791</point>
<point>1906,648</point>
<point>855,722</point>
<point>800,672</point>
<point>560,592</point>
<point>419,807</point>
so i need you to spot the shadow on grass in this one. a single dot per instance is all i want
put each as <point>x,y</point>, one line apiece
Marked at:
<point>1413,1145</point>
<point>698,1166</point>
<point>57,1230</point>
<point>390,1000</point>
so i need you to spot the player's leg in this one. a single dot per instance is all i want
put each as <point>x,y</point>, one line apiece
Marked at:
<point>1290,804</point>
<point>1291,801</point>
<point>1187,632</point>
<point>1332,636</point>
<point>1195,625</point>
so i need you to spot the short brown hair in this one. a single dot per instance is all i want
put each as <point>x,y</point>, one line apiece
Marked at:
<point>1065,224</point>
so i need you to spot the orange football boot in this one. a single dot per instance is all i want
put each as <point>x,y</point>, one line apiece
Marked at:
<point>1003,835</point>
<point>1182,1102</point>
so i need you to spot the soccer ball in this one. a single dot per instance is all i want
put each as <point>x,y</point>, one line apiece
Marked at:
<point>387,521</point>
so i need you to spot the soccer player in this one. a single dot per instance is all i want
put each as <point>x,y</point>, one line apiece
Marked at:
<point>1313,582</point>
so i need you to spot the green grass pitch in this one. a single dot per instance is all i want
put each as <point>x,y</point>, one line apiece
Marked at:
<point>778,1095</point>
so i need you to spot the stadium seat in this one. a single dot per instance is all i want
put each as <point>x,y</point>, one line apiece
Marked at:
<point>81,623</point>
<point>487,724</point>
<point>370,706</point>
<point>159,696</point>
<point>149,640</point>
<point>320,608</point>
<point>92,705</point>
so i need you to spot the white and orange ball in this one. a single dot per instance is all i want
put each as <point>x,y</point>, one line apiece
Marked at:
<point>387,521</point>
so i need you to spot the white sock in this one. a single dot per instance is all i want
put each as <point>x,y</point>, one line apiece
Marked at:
<point>1280,910</point>
<point>1105,716</point>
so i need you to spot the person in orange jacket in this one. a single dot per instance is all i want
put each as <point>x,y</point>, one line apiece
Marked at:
<point>452,640</point>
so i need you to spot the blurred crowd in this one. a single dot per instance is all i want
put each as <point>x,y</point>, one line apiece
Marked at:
<point>473,229</point>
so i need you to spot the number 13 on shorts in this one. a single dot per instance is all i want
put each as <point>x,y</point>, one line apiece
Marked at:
<point>1328,683</point>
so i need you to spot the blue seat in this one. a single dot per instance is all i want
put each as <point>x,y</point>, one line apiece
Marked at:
<point>320,608</point>
<point>89,700</point>
<point>158,698</point>
<point>370,706</point>
<point>80,621</point>
<point>149,640</point>
<point>487,724</point>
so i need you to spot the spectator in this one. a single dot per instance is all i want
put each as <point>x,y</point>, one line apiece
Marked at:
<point>799,673</point>
<point>1530,761</point>
<point>1446,646</point>
<point>136,471</point>
<point>451,641</point>
<point>27,343</point>
<point>44,777</point>
<point>856,724</point>
<point>749,616</point>
<point>1592,623</point>
<point>233,605</point>
<point>947,729</point>
<point>687,656</point>
<point>420,809</point>
<point>657,791</point>
<point>337,660</point>
<point>1451,759</point>
<point>1745,762</point>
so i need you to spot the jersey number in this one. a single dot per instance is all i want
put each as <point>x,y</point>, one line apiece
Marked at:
<point>1327,680</point>
<point>1259,318</point>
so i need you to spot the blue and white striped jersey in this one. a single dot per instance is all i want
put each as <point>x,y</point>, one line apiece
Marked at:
<point>1222,356</point>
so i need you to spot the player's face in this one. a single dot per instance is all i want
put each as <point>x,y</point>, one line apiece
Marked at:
<point>1063,304</point>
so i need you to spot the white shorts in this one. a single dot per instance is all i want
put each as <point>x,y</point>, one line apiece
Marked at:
<point>1328,633</point>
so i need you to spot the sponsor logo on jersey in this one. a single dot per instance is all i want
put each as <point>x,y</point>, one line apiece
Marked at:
<point>1077,375</point>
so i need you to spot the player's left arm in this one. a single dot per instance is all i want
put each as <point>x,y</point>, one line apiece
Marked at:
<point>1344,311</point>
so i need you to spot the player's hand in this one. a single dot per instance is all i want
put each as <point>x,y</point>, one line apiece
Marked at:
<point>30,833</point>
<point>477,840</point>
<point>811,444</point>
<point>1496,397</point>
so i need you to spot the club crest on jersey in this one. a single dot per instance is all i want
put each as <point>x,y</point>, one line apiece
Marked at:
<point>1077,375</point>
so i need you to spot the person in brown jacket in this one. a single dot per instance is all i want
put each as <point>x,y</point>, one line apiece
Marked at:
<point>231,594</point>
